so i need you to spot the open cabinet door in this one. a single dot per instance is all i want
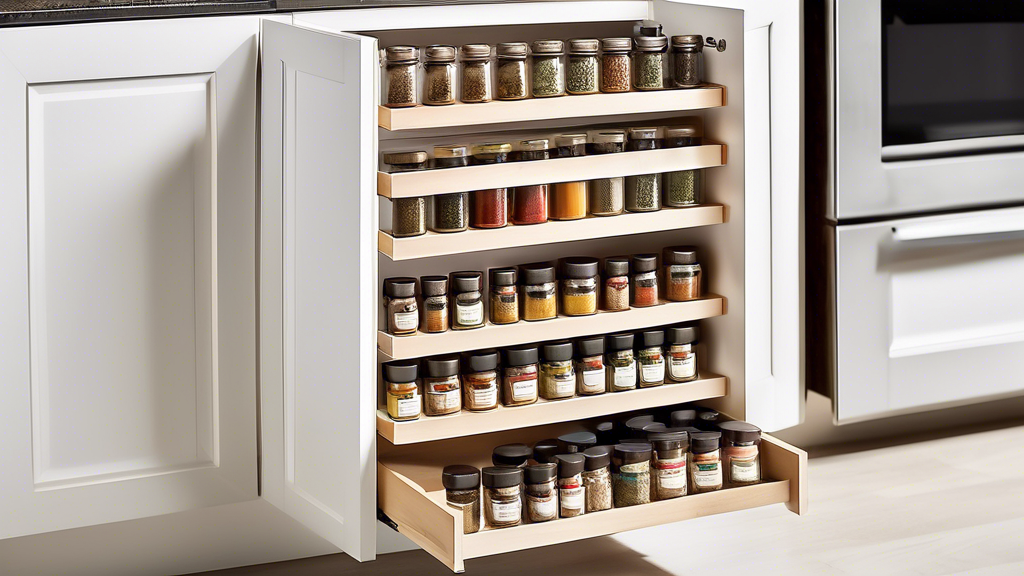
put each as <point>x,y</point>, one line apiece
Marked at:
<point>317,278</point>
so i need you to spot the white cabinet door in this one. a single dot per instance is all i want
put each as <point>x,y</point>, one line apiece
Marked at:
<point>127,270</point>
<point>318,298</point>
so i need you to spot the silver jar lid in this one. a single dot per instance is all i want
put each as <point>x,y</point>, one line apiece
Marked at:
<point>401,53</point>
<point>405,157</point>
<point>645,133</point>
<point>439,53</point>
<point>492,148</point>
<point>476,52</point>
<point>650,43</point>
<point>686,131</point>
<point>451,151</point>
<point>570,140</point>
<point>548,47</point>
<point>535,145</point>
<point>616,44</point>
<point>616,137</point>
<point>516,50</point>
<point>583,46</point>
<point>689,41</point>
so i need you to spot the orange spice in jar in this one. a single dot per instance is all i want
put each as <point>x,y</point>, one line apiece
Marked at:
<point>569,201</point>
<point>682,273</point>
<point>434,315</point>
<point>645,280</point>
<point>504,297</point>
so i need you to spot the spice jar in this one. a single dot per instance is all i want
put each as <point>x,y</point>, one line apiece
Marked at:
<point>687,60</point>
<point>574,442</point>
<point>740,453</point>
<point>451,156</point>
<point>511,455</point>
<point>631,474</point>
<point>682,273</point>
<point>682,187</point>
<point>570,146</point>
<point>579,286</point>
<point>403,391</point>
<point>519,385</point>
<point>581,74</point>
<point>439,75</point>
<point>503,506</point>
<point>539,291</point>
<point>434,316</point>
<point>489,208</point>
<point>649,62</point>
<point>512,78</point>
<point>530,204</point>
<point>616,75</point>
<point>536,149</point>
<point>557,377</point>
<point>705,462</point>
<point>645,280</point>
<point>616,283</point>
<point>442,392</point>
<point>544,450</point>
<point>569,200</point>
<point>451,212</point>
<point>606,194</point>
<point>476,73</point>
<point>620,366</point>
<point>643,191</point>
<point>462,492</point>
<point>669,464</point>
<point>400,306</point>
<point>491,153</point>
<point>681,418</point>
<point>467,301</point>
<point>681,359</point>
<point>650,360</point>
<point>541,493</point>
<point>571,494</point>
<point>590,379</point>
<point>548,69</point>
<point>707,420</point>
<point>504,297</point>
<point>480,381</point>
<point>597,478</point>
<point>400,81</point>
<point>408,217</point>
<point>405,161</point>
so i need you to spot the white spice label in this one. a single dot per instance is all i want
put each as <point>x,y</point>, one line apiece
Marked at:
<point>506,511</point>
<point>744,470</point>
<point>571,493</point>
<point>407,320</point>
<point>469,315</point>
<point>446,400</point>
<point>625,376</point>
<point>483,397</point>
<point>682,365</point>
<point>565,385</point>
<point>707,474</point>
<point>524,390</point>
<point>593,380</point>
<point>542,507</point>
<point>409,406</point>
<point>653,372</point>
<point>671,473</point>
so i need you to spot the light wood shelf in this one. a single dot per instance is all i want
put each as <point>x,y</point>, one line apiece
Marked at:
<point>509,174</point>
<point>499,112</point>
<point>511,236</point>
<point>465,423</point>
<point>493,336</point>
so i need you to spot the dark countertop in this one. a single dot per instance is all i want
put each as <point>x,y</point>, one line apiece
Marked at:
<point>23,12</point>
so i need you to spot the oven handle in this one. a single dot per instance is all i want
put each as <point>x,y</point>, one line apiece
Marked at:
<point>983,224</point>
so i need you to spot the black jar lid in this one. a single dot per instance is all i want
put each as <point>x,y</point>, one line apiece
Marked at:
<point>514,50</point>
<point>557,351</point>
<point>590,346</point>
<point>468,281</point>
<point>616,44</point>
<point>668,440</point>
<point>503,277</point>
<point>511,455</point>
<point>616,266</point>
<point>460,477</point>
<point>576,442</point>
<point>548,47</point>
<point>606,433</point>
<point>597,457</point>
<point>521,356</point>
<point>650,43</point>
<point>400,158</point>
<point>707,420</point>
<point>632,453</point>
<point>402,287</point>
<point>653,428</point>
<point>434,285</point>
<point>679,255</point>
<point>540,473</point>
<point>482,360</point>
<point>545,450</point>
<point>650,338</point>
<point>569,465</point>
<point>401,372</point>
<point>539,273</point>
<point>579,267</point>
<point>636,424</point>
<point>443,366</point>
<point>704,442</point>
<point>736,431</point>
<point>683,418</point>
<point>616,342</point>
<point>439,53</point>
<point>689,41</point>
<point>685,334</point>
<point>647,28</point>
<point>501,477</point>
<point>645,262</point>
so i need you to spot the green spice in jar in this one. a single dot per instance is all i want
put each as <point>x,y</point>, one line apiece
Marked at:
<point>682,187</point>
<point>687,60</point>
<point>649,62</point>
<point>548,74</point>
<point>557,376</point>
<point>631,474</point>
<point>650,358</point>
<point>408,217</point>
<point>616,75</point>
<point>451,212</point>
<point>512,80</point>
<point>643,192</point>
<point>620,365</point>
<point>581,74</point>
<point>439,75</point>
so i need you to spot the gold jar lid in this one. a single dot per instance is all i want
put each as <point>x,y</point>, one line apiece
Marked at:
<point>515,50</point>
<point>614,137</point>
<point>492,148</point>
<point>439,53</point>
<point>417,157</point>
<point>583,46</point>
<point>476,52</point>
<point>401,53</point>
<point>650,43</point>
<point>451,151</point>
<point>570,140</point>
<point>533,145</point>
<point>684,131</point>
<point>691,41</point>
<point>616,44</point>
<point>548,47</point>
<point>645,133</point>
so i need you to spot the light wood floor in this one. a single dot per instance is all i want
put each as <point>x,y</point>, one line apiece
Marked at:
<point>937,506</point>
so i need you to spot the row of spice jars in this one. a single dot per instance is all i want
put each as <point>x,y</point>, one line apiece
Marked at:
<point>542,69</point>
<point>573,475</point>
<point>481,381</point>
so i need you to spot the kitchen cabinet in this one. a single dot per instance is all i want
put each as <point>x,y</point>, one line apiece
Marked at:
<point>127,270</point>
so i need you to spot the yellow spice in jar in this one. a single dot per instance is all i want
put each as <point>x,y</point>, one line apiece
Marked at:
<point>538,308</point>
<point>579,304</point>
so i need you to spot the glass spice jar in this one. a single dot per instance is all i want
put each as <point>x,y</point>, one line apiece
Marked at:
<point>462,492</point>
<point>707,420</point>
<point>434,309</point>
<point>451,212</point>
<point>519,385</point>
<point>606,195</point>
<point>649,62</point>
<point>616,284</point>
<point>740,453</point>
<point>682,273</point>
<point>408,217</point>
<point>442,392</point>
<point>400,76</point>
<point>476,73</point>
<point>573,442</point>
<point>616,69</point>
<point>489,208</point>
<point>569,199</point>
<point>541,492</point>
<point>439,75</point>
<point>669,464</point>
<point>402,388</point>
<point>451,156</point>
<point>512,78</point>
<point>681,418</point>
<point>631,474</point>
<point>544,451</point>
<point>504,296</point>
<point>405,161</point>
<point>620,365</point>
<point>682,187</point>
<point>530,204</point>
<point>581,73</point>
<point>400,307</point>
<point>467,301</point>
<point>536,149</point>
<point>705,462</point>
<point>511,455</point>
<point>557,377</point>
<point>571,494</point>
<point>491,153</point>
<point>645,280</point>
<point>539,291</point>
<point>579,286</point>
<point>480,381</point>
<point>687,60</point>
<point>597,478</point>
<point>590,379</point>
<point>548,68</point>
<point>681,358</point>
<point>650,360</point>
<point>643,191</point>
<point>570,146</point>
<point>503,505</point>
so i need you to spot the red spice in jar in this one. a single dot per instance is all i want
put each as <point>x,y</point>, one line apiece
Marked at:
<point>489,208</point>
<point>530,204</point>
<point>645,295</point>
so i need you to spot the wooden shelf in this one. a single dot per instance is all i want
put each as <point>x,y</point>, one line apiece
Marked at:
<point>493,336</point>
<point>509,174</point>
<point>499,112</point>
<point>473,240</point>
<point>466,423</point>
